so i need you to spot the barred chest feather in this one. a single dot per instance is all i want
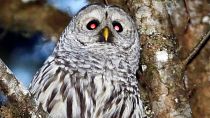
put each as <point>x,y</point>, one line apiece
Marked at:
<point>87,87</point>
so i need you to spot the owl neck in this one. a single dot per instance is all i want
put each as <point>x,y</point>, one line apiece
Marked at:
<point>99,60</point>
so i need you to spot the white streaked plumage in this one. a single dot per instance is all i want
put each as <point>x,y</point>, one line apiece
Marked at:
<point>89,77</point>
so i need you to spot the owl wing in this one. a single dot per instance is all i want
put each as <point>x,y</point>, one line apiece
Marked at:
<point>46,85</point>
<point>56,85</point>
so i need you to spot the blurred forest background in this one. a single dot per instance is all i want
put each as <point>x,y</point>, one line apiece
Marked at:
<point>29,30</point>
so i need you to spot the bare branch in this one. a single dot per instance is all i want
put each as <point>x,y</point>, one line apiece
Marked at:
<point>20,103</point>
<point>2,34</point>
<point>196,49</point>
<point>106,2</point>
<point>32,17</point>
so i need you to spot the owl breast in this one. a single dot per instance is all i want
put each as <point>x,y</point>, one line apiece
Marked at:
<point>88,87</point>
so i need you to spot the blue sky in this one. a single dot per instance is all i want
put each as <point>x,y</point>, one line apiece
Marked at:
<point>69,6</point>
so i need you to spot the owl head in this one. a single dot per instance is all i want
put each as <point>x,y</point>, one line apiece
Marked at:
<point>100,26</point>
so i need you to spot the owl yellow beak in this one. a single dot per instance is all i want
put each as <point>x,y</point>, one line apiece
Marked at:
<point>106,33</point>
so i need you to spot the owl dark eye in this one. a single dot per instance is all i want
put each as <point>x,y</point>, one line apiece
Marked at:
<point>117,26</point>
<point>93,24</point>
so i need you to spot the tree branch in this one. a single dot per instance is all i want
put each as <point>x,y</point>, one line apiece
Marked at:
<point>106,2</point>
<point>196,49</point>
<point>19,102</point>
<point>32,17</point>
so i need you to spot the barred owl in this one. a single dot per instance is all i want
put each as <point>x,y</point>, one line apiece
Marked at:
<point>91,72</point>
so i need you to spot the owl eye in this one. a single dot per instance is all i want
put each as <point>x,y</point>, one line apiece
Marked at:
<point>93,24</point>
<point>117,26</point>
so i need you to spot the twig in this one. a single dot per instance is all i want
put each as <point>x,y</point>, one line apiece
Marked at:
<point>2,34</point>
<point>196,49</point>
<point>106,2</point>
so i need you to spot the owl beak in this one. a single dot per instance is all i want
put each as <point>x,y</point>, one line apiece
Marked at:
<point>105,35</point>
